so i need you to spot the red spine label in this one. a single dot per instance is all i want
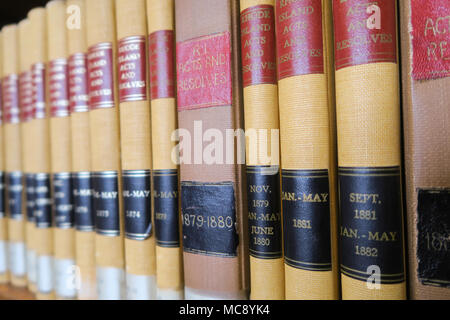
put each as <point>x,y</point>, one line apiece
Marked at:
<point>365,32</point>
<point>161,45</point>
<point>299,37</point>
<point>101,76</point>
<point>204,72</point>
<point>430,39</point>
<point>58,88</point>
<point>258,45</point>
<point>10,87</point>
<point>38,79</point>
<point>26,96</point>
<point>78,92</point>
<point>132,69</point>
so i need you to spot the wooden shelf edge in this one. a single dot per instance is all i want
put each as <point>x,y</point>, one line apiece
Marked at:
<point>11,293</point>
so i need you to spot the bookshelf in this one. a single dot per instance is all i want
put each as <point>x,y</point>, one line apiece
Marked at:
<point>10,293</point>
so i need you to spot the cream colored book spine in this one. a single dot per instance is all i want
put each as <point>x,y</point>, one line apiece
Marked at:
<point>369,150</point>
<point>105,149</point>
<point>25,105</point>
<point>307,125</point>
<point>135,125</point>
<point>13,161</point>
<point>169,260</point>
<point>81,153</point>
<point>263,167</point>
<point>40,148</point>
<point>60,146</point>
<point>4,271</point>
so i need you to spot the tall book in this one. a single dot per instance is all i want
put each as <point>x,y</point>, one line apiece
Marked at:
<point>161,52</point>
<point>209,99</point>
<point>13,160</point>
<point>25,106</point>
<point>40,167</point>
<point>307,124</point>
<point>426,71</point>
<point>136,146</point>
<point>81,154</point>
<point>4,271</point>
<point>60,147</point>
<point>259,73</point>
<point>105,148</point>
<point>369,157</point>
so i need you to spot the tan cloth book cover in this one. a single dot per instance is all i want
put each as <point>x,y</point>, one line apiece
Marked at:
<point>13,158</point>
<point>369,150</point>
<point>41,167</point>
<point>426,116</point>
<point>84,219</point>
<point>261,117</point>
<point>166,213</point>
<point>210,108</point>
<point>26,108</point>
<point>4,270</point>
<point>136,145</point>
<point>308,148</point>
<point>105,148</point>
<point>60,150</point>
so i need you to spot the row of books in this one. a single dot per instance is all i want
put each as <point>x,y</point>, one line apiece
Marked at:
<point>254,151</point>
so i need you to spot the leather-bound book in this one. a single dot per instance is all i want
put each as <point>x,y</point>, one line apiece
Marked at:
<point>426,71</point>
<point>40,149</point>
<point>61,159</point>
<point>213,196</point>
<point>81,152</point>
<point>259,73</point>
<point>105,148</point>
<point>13,158</point>
<point>369,150</point>
<point>135,128</point>
<point>161,56</point>
<point>26,108</point>
<point>4,271</point>
<point>307,125</point>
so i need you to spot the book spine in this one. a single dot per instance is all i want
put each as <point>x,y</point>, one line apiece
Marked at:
<point>25,106</point>
<point>161,56</point>
<point>81,154</point>
<point>60,146</point>
<point>105,148</point>
<point>135,126</point>
<point>212,191</point>
<point>4,270</point>
<point>368,122</point>
<point>13,161</point>
<point>426,71</point>
<point>40,148</point>
<point>307,149</point>
<point>263,167</point>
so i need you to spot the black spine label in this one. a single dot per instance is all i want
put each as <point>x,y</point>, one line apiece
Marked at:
<point>264,214</point>
<point>14,183</point>
<point>2,195</point>
<point>42,201</point>
<point>29,183</point>
<point>165,197</point>
<point>62,200</point>
<point>433,240</point>
<point>82,202</point>
<point>137,204</point>
<point>209,219</point>
<point>371,232</point>
<point>106,203</point>
<point>306,219</point>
